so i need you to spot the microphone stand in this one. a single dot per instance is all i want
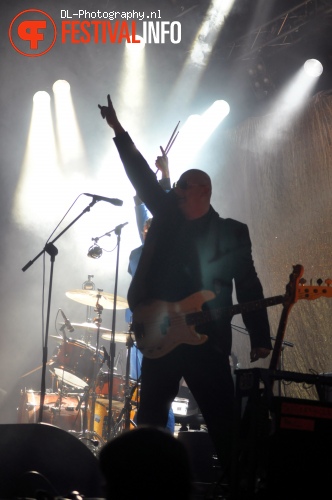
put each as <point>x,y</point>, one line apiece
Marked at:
<point>52,251</point>
<point>117,231</point>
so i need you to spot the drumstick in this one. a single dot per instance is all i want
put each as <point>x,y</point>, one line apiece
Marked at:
<point>170,142</point>
<point>35,369</point>
<point>169,147</point>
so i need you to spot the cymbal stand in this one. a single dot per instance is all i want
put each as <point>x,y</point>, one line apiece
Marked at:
<point>90,392</point>
<point>88,285</point>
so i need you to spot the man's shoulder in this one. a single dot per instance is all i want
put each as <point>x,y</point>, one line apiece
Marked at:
<point>136,251</point>
<point>231,224</point>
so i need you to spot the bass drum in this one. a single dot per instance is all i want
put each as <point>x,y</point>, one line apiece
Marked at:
<point>60,411</point>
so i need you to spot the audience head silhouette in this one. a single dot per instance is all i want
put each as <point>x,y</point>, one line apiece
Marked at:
<point>148,463</point>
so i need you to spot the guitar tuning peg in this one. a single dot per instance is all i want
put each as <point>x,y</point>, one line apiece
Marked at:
<point>328,281</point>
<point>302,281</point>
<point>319,281</point>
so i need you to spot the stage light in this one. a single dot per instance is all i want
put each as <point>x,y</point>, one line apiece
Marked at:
<point>134,46</point>
<point>289,103</point>
<point>70,143</point>
<point>133,95</point>
<point>41,97</point>
<point>209,30</point>
<point>39,168</point>
<point>313,68</point>
<point>61,86</point>
<point>260,79</point>
<point>196,131</point>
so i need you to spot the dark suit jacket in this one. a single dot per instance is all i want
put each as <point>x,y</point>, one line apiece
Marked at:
<point>181,257</point>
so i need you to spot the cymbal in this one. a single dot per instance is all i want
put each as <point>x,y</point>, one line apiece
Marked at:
<point>89,298</point>
<point>88,326</point>
<point>118,337</point>
<point>56,337</point>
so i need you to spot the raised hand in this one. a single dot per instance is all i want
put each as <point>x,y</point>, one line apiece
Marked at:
<point>109,113</point>
<point>162,163</point>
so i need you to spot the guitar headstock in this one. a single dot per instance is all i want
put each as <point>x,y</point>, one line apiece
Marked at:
<point>312,292</point>
<point>291,295</point>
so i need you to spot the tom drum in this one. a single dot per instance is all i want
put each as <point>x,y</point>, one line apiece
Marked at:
<point>75,363</point>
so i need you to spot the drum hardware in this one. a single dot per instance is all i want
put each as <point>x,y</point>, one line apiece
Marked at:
<point>89,433</point>
<point>89,285</point>
<point>89,297</point>
<point>125,420</point>
<point>77,367</point>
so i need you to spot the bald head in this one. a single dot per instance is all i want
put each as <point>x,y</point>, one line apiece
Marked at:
<point>198,176</point>
<point>193,191</point>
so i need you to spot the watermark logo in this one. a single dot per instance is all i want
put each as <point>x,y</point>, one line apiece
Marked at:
<point>32,33</point>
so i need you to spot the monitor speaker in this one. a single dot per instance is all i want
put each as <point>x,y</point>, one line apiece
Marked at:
<point>41,457</point>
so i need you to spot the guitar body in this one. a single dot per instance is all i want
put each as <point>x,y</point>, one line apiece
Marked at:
<point>161,326</point>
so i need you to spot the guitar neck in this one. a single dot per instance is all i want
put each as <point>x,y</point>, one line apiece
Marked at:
<point>201,317</point>
<point>280,337</point>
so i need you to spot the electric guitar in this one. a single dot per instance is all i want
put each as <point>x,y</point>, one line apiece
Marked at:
<point>160,326</point>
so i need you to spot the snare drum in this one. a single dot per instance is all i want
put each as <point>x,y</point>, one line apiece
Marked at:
<point>102,386</point>
<point>75,363</point>
<point>60,411</point>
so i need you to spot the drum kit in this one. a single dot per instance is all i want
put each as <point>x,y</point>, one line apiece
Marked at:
<point>94,404</point>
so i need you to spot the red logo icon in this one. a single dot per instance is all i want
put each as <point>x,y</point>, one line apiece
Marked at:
<point>32,33</point>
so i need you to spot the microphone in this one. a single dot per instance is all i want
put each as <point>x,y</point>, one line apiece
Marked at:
<point>95,251</point>
<point>68,324</point>
<point>120,226</point>
<point>114,201</point>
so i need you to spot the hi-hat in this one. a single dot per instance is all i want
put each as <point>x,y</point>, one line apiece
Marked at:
<point>118,337</point>
<point>88,326</point>
<point>90,297</point>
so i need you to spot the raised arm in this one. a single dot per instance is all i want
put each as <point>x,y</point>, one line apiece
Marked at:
<point>137,169</point>
<point>109,113</point>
